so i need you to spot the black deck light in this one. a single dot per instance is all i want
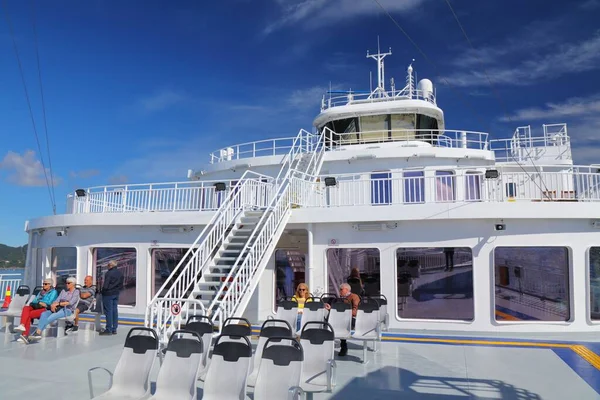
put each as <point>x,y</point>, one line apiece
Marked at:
<point>330,181</point>
<point>80,192</point>
<point>492,174</point>
<point>220,186</point>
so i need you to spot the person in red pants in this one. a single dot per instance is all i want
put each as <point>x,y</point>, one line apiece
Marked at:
<point>35,309</point>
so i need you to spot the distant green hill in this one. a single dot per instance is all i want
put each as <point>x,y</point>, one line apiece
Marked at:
<point>12,257</point>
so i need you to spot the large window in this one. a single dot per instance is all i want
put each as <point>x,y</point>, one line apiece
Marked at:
<point>414,186</point>
<point>595,283</point>
<point>402,126</point>
<point>358,267</point>
<point>374,128</point>
<point>63,264</point>
<point>164,262</point>
<point>532,283</point>
<point>290,271</point>
<point>473,186</point>
<point>126,259</point>
<point>435,283</point>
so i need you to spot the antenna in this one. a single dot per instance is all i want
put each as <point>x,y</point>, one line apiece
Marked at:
<point>380,68</point>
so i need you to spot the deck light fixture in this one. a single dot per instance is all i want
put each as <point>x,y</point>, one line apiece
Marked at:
<point>220,186</point>
<point>80,192</point>
<point>492,174</point>
<point>330,181</point>
<point>499,227</point>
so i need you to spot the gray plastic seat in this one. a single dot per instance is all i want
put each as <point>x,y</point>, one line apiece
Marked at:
<point>179,371</point>
<point>233,330</point>
<point>383,314</point>
<point>280,369</point>
<point>340,319</point>
<point>228,370</point>
<point>318,371</point>
<point>131,377</point>
<point>314,311</point>
<point>202,325</point>
<point>368,324</point>
<point>270,328</point>
<point>287,310</point>
<point>19,300</point>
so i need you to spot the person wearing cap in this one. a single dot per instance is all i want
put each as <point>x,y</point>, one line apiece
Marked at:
<point>35,309</point>
<point>112,286</point>
<point>61,308</point>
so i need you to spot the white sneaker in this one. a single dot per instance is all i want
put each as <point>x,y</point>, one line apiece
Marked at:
<point>20,328</point>
<point>23,339</point>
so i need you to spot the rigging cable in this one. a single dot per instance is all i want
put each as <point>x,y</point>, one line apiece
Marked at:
<point>496,94</point>
<point>8,21</point>
<point>37,54</point>
<point>451,87</point>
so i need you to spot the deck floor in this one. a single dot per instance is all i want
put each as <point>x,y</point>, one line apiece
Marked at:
<point>403,368</point>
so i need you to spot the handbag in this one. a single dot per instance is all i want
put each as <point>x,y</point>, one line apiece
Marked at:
<point>36,306</point>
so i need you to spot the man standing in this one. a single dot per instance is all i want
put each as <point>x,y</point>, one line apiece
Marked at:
<point>112,286</point>
<point>449,252</point>
<point>86,297</point>
<point>351,298</point>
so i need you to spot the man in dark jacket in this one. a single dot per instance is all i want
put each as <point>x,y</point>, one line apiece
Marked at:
<point>113,284</point>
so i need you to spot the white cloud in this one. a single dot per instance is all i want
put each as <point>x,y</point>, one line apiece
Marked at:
<point>160,100</point>
<point>307,98</point>
<point>549,60</point>
<point>26,169</point>
<point>590,5</point>
<point>575,106</point>
<point>316,13</point>
<point>118,180</point>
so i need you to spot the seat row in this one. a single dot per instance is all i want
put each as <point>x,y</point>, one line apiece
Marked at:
<point>283,367</point>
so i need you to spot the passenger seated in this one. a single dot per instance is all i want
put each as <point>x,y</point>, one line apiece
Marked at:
<point>61,308</point>
<point>35,309</point>
<point>347,297</point>
<point>86,296</point>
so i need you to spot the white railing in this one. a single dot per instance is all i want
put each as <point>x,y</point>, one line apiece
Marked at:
<point>463,186</point>
<point>361,98</point>
<point>175,196</point>
<point>12,280</point>
<point>435,137</point>
<point>240,279</point>
<point>261,148</point>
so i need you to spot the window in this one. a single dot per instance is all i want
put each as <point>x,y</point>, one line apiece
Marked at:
<point>595,283</point>
<point>357,267</point>
<point>511,189</point>
<point>402,126</point>
<point>164,262</point>
<point>444,186</point>
<point>532,283</point>
<point>63,264</point>
<point>473,186</point>
<point>290,271</point>
<point>414,186</point>
<point>435,283</point>
<point>346,131</point>
<point>381,188</point>
<point>126,259</point>
<point>374,128</point>
<point>427,128</point>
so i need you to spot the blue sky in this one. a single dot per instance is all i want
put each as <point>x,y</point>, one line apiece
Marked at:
<point>140,91</point>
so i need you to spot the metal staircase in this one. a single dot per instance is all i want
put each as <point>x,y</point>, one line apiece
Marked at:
<point>219,273</point>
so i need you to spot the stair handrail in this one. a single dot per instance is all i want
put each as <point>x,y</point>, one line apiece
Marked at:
<point>273,212</point>
<point>236,192</point>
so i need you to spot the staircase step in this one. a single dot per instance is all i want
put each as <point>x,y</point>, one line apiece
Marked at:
<point>203,292</point>
<point>217,275</point>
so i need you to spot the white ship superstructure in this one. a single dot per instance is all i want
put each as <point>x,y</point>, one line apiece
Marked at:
<point>458,231</point>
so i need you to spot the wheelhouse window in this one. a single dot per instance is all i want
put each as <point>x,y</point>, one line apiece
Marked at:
<point>63,264</point>
<point>126,259</point>
<point>402,126</point>
<point>435,283</point>
<point>444,186</point>
<point>345,130</point>
<point>414,187</point>
<point>532,283</point>
<point>427,128</point>
<point>360,268</point>
<point>374,128</point>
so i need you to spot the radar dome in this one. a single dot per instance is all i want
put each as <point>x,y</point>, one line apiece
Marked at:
<point>426,88</point>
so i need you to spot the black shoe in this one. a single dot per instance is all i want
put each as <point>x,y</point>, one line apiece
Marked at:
<point>114,333</point>
<point>73,328</point>
<point>105,333</point>
<point>343,352</point>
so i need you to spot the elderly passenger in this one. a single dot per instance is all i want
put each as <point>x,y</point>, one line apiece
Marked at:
<point>347,297</point>
<point>86,297</point>
<point>61,308</point>
<point>36,308</point>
